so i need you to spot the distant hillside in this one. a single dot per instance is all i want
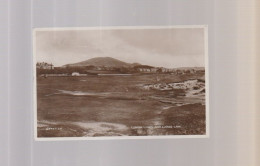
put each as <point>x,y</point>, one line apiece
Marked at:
<point>135,64</point>
<point>115,63</point>
<point>101,61</point>
<point>143,66</point>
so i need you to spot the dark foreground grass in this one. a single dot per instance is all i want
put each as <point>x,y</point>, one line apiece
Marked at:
<point>124,103</point>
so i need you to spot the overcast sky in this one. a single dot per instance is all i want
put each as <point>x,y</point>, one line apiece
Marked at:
<point>162,47</point>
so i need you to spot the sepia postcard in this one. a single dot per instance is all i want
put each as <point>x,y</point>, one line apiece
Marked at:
<point>121,82</point>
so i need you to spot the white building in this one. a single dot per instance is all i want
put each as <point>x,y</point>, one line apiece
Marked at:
<point>75,74</point>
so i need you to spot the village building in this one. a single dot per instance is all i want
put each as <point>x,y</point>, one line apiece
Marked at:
<point>154,70</point>
<point>146,69</point>
<point>179,72</point>
<point>44,65</point>
<point>166,70</point>
<point>75,74</point>
<point>192,71</point>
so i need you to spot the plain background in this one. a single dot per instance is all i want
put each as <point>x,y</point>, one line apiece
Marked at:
<point>232,70</point>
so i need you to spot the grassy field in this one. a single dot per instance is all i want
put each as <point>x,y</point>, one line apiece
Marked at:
<point>117,106</point>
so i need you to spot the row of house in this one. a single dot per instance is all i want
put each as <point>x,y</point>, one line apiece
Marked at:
<point>147,69</point>
<point>44,65</point>
<point>138,68</point>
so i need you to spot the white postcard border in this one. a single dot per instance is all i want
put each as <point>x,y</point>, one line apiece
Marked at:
<point>207,135</point>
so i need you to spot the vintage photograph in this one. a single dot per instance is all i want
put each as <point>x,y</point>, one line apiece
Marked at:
<point>121,82</point>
